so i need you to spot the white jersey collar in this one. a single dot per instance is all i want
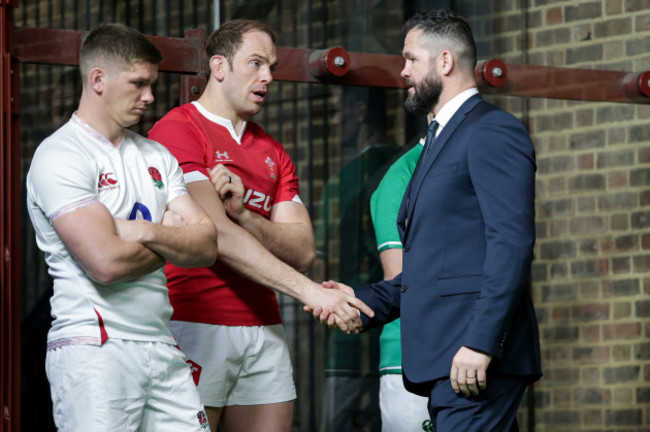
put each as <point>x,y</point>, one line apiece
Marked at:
<point>75,119</point>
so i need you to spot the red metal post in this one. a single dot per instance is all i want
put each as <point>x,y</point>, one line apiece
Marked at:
<point>9,227</point>
<point>337,66</point>
<point>574,84</point>
<point>320,66</point>
<point>192,86</point>
<point>56,46</point>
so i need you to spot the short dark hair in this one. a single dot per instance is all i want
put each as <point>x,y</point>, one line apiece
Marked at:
<point>445,24</point>
<point>116,45</point>
<point>227,39</point>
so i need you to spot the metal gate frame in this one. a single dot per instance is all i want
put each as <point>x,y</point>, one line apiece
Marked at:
<point>9,225</point>
<point>184,55</point>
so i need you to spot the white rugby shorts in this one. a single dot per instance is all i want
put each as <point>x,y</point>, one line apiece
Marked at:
<point>401,411</point>
<point>237,365</point>
<point>123,385</point>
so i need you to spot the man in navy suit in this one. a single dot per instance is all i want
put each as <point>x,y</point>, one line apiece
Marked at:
<point>469,334</point>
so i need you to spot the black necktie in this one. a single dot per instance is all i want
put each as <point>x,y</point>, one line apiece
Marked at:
<point>431,137</point>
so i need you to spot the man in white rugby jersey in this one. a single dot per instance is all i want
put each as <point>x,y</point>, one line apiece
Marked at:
<point>109,208</point>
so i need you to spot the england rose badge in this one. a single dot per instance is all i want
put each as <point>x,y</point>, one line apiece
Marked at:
<point>156,177</point>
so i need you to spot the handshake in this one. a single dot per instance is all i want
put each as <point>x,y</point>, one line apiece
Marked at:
<point>336,306</point>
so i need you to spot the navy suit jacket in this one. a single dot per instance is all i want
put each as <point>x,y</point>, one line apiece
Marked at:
<point>467,227</point>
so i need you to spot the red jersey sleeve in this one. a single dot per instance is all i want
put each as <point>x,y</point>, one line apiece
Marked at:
<point>177,131</point>
<point>288,186</point>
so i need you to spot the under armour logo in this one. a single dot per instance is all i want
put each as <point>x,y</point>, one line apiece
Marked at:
<point>222,156</point>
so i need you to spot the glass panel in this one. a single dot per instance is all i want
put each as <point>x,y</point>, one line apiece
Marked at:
<point>49,95</point>
<point>341,139</point>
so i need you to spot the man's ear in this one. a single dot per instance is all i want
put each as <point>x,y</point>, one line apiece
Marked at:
<point>96,80</point>
<point>445,62</point>
<point>218,65</point>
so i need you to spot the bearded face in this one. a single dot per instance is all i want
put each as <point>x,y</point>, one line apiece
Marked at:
<point>425,95</point>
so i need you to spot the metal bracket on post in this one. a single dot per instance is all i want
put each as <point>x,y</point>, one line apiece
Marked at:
<point>332,62</point>
<point>494,72</point>
<point>191,86</point>
<point>636,86</point>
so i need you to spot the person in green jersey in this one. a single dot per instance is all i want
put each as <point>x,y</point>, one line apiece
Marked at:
<point>401,411</point>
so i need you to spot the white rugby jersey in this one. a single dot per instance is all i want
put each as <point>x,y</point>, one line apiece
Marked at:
<point>74,167</point>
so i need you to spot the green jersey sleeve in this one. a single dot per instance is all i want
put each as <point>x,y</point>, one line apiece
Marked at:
<point>387,198</point>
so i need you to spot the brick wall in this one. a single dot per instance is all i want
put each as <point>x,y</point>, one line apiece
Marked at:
<point>592,258</point>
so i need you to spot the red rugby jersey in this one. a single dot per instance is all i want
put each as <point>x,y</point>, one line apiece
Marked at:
<point>218,294</point>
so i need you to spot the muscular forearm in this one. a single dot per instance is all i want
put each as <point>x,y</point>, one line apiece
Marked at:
<point>127,261</point>
<point>186,246</point>
<point>242,252</point>
<point>293,243</point>
<point>249,257</point>
<point>287,233</point>
<point>90,234</point>
<point>245,254</point>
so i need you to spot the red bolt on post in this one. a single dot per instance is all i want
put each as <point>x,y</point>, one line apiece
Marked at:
<point>493,72</point>
<point>332,62</point>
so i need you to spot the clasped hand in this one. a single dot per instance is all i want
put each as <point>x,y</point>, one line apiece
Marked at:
<point>339,307</point>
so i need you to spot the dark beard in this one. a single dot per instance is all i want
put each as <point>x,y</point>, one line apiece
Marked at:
<point>425,97</point>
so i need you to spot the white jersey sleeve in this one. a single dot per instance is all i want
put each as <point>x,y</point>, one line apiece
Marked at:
<point>177,186</point>
<point>60,180</point>
<point>75,167</point>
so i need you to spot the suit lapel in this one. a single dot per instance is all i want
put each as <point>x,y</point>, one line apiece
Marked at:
<point>415,185</point>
